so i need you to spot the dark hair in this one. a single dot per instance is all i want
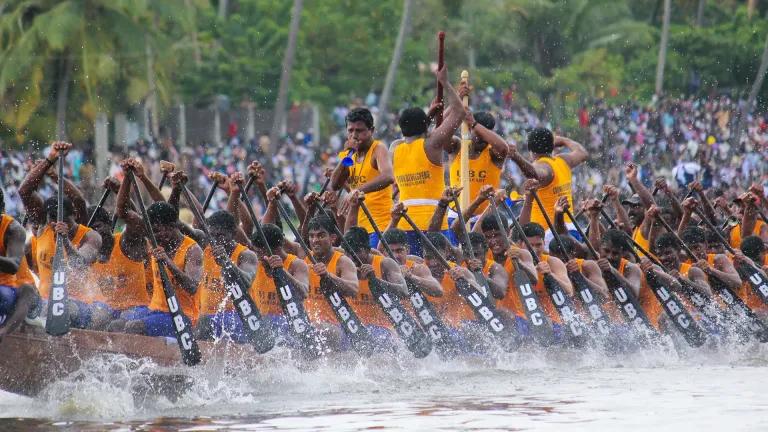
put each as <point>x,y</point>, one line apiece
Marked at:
<point>437,239</point>
<point>486,119</point>
<point>162,213</point>
<point>569,244</point>
<point>532,229</point>
<point>395,236</point>
<point>666,240</point>
<point>617,239</point>
<point>321,223</point>
<point>413,121</point>
<point>712,236</point>
<point>489,223</point>
<point>357,239</point>
<point>51,206</point>
<point>693,235</point>
<point>541,141</point>
<point>477,238</point>
<point>2,201</point>
<point>273,234</point>
<point>360,115</point>
<point>752,246</point>
<point>223,219</point>
<point>101,214</point>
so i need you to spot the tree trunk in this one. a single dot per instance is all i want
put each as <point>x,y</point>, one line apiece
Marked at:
<point>389,81</point>
<point>756,86</point>
<point>663,48</point>
<point>751,6</point>
<point>62,99</point>
<point>285,77</point>
<point>101,146</point>
<point>223,9</point>
<point>152,96</point>
<point>700,13</point>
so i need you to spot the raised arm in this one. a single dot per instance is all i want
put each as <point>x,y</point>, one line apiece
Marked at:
<point>576,155</point>
<point>645,196</point>
<point>499,147</point>
<point>442,135</point>
<point>134,225</point>
<point>32,202</point>
<point>141,174</point>
<point>677,208</point>
<point>436,222</point>
<point>291,189</point>
<point>525,214</point>
<point>75,195</point>
<point>621,213</point>
<point>685,219</point>
<point>541,172</point>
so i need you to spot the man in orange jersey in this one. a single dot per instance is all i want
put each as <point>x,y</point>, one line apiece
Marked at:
<point>411,267</point>
<point>371,172</point>
<point>553,172</point>
<point>389,278</point>
<point>614,254</point>
<point>263,290</point>
<point>417,159</point>
<point>717,266</point>
<point>81,244</point>
<point>494,273</point>
<point>338,269</point>
<point>753,252</point>
<point>17,300</point>
<point>182,258</point>
<point>217,311</point>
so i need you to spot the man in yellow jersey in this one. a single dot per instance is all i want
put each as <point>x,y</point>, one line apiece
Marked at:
<point>390,279</point>
<point>370,174</point>
<point>81,244</point>
<point>263,290</point>
<point>553,172</point>
<point>183,261</point>
<point>17,300</point>
<point>417,159</point>
<point>339,269</point>
<point>753,252</point>
<point>217,311</point>
<point>486,159</point>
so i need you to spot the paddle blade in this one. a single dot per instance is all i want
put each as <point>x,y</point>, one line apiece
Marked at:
<point>486,312</point>
<point>298,322</point>
<point>538,323</point>
<point>677,313</point>
<point>57,322</point>
<point>575,330</point>
<point>258,331</point>
<point>405,326</point>
<point>351,325</point>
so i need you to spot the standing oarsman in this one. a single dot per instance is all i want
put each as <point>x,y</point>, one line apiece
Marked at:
<point>263,291</point>
<point>338,268</point>
<point>417,159</point>
<point>390,279</point>
<point>17,300</point>
<point>486,155</point>
<point>81,245</point>
<point>183,259</point>
<point>553,172</point>
<point>370,174</point>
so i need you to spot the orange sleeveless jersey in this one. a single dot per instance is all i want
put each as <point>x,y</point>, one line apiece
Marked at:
<point>748,295</point>
<point>558,187</point>
<point>45,250</point>
<point>263,290</point>
<point>380,202</point>
<point>735,236</point>
<point>121,280</point>
<point>317,306</point>
<point>451,306</point>
<point>190,303</point>
<point>212,289</point>
<point>511,301</point>
<point>365,305</point>
<point>482,171</point>
<point>6,279</point>
<point>419,182</point>
<point>544,298</point>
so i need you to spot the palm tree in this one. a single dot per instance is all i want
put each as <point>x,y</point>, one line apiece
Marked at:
<point>389,81</point>
<point>285,76</point>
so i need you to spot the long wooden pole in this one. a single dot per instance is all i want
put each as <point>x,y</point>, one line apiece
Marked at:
<point>466,142</point>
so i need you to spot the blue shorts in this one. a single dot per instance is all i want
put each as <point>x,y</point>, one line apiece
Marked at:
<point>524,328</point>
<point>227,323</point>
<point>85,312</point>
<point>373,240</point>
<point>8,298</point>
<point>381,337</point>
<point>415,243</point>
<point>131,313</point>
<point>158,323</point>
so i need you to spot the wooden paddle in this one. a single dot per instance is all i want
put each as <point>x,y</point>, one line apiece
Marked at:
<point>57,322</point>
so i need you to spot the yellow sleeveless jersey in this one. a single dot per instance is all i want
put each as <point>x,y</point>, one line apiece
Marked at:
<point>44,252</point>
<point>121,279</point>
<point>482,171</point>
<point>379,202</point>
<point>263,291</point>
<point>549,194</point>
<point>190,303</point>
<point>419,181</point>
<point>212,289</point>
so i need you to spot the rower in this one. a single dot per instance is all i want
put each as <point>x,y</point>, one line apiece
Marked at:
<point>217,312</point>
<point>748,205</point>
<point>753,248</point>
<point>417,159</point>
<point>547,265</point>
<point>716,265</point>
<point>339,269</point>
<point>614,260</point>
<point>411,266</point>
<point>81,245</point>
<point>263,291</point>
<point>486,156</point>
<point>497,277</point>
<point>553,172</point>
<point>371,172</point>
<point>17,299</point>
<point>391,280</point>
<point>183,258</point>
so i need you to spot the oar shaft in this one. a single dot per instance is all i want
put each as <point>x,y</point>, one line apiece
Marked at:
<point>669,229</point>
<point>467,243</point>
<point>516,225</point>
<point>428,244</point>
<point>583,235</point>
<point>102,200</point>
<point>551,226</point>
<point>209,197</point>
<point>376,229</point>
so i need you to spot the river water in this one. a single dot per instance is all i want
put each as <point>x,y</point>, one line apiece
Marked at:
<point>537,390</point>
